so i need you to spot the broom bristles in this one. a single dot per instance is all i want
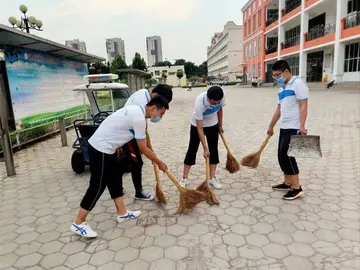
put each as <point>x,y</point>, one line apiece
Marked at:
<point>232,164</point>
<point>160,194</point>
<point>251,160</point>
<point>210,196</point>
<point>189,198</point>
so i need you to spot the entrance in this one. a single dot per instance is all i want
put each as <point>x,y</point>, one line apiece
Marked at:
<point>314,71</point>
<point>269,78</point>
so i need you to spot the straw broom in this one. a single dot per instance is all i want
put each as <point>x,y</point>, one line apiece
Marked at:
<point>232,164</point>
<point>253,159</point>
<point>158,190</point>
<point>204,187</point>
<point>189,198</point>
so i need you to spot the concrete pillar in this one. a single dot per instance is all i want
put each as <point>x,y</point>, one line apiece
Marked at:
<point>304,27</point>
<point>280,27</point>
<point>339,50</point>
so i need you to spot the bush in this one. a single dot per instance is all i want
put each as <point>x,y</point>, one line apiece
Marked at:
<point>195,85</point>
<point>230,83</point>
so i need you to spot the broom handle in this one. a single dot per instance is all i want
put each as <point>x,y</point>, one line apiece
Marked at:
<point>264,144</point>
<point>207,169</point>
<point>173,179</point>
<point>156,171</point>
<point>225,142</point>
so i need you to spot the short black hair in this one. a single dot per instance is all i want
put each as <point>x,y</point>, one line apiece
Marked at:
<point>163,90</point>
<point>215,93</point>
<point>159,101</point>
<point>281,65</point>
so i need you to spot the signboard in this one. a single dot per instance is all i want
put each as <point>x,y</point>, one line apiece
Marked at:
<point>41,87</point>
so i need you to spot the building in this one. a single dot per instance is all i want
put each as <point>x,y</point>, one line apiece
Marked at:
<point>154,50</point>
<point>171,73</point>
<point>76,44</point>
<point>319,38</point>
<point>225,54</point>
<point>115,46</point>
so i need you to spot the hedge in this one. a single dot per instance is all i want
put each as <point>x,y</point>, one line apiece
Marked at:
<point>195,85</point>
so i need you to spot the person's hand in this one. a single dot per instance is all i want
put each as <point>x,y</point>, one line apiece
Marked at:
<point>303,131</point>
<point>162,166</point>
<point>206,153</point>
<point>270,131</point>
<point>221,129</point>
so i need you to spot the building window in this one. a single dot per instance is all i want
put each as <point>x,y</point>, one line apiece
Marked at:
<point>253,70</point>
<point>249,27</point>
<point>259,46</point>
<point>254,52</point>
<point>254,23</point>
<point>259,18</point>
<point>245,52</point>
<point>352,58</point>
<point>245,29</point>
<point>259,70</point>
<point>157,72</point>
<point>294,65</point>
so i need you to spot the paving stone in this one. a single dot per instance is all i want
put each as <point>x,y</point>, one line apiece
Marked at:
<point>155,231</point>
<point>7,260</point>
<point>262,228</point>
<point>126,255</point>
<point>176,230</point>
<point>7,248</point>
<point>73,247</point>
<point>251,252</point>
<point>297,263</point>
<point>151,254</point>
<point>256,239</point>
<point>137,264</point>
<point>77,260</point>
<point>111,266</point>
<point>176,253</point>
<point>28,260</point>
<point>304,237</point>
<point>53,260</point>
<point>234,240</point>
<point>275,251</point>
<point>102,257</point>
<point>329,236</point>
<point>198,229</point>
<point>240,229</point>
<point>119,243</point>
<point>163,263</point>
<point>164,241</point>
<point>300,249</point>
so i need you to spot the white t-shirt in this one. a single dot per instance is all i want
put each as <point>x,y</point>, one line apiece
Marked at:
<point>288,98</point>
<point>206,112</point>
<point>140,97</point>
<point>119,128</point>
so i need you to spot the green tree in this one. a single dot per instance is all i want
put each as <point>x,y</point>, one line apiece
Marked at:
<point>150,81</point>
<point>117,64</point>
<point>194,79</point>
<point>190,69</point>
<point>164,75</point>
<point>203,70</point>
<point>163,64</point>
<point>179,74</point>
<point>139,62</point>
<point>99,68</point>
<point>179,62</point>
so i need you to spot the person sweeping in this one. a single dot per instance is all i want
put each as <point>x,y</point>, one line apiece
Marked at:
<point>206,122</point>
<point>131,149</point>
<point>106,170</point>
<point>292,111</point>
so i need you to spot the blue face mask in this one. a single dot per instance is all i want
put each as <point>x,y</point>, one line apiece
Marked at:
<point>281,81</point>
<point>155,119</point>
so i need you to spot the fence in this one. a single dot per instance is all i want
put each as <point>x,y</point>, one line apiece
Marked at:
<point>291,42</point>
<point>352,20</point>
<point>320,31</point>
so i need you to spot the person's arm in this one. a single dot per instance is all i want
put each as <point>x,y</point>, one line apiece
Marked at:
<point>200,129</point>
<point>220,114</point>
<point>274,120</point>
<point>303,104</point>
<point>148,141</point>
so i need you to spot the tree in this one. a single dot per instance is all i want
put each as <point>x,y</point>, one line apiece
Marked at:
<point>194,79</point>
<point>138,62</point>
<point>117,64</point>
<point>203,71</point>
<point>163,64</point>
<point>179,74</point>
<point>150,81</point>
<point>99,68</point>
<point>179,62</point>
<point>190,69</point>
<point>164,75</point>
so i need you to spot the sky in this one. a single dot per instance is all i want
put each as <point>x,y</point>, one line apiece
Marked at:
<point>185,26</point>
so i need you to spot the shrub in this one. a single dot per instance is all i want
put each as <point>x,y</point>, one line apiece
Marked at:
<point>230,83</point>
<point>195,85</point>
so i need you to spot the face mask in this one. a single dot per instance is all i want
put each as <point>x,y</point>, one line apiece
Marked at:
<point>155,119</point>
<point>281,81</point>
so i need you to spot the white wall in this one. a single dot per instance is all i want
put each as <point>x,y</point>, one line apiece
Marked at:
<point>351,77</point>
<point>171,72</point>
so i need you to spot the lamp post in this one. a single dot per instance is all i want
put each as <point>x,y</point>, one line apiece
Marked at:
<point>26,23</point>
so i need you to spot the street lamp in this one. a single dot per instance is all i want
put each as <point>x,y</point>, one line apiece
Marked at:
<point>26,23</point>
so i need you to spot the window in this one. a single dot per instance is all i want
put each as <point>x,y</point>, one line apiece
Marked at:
<point>352,58</point>
<point>253,70</point>
<point>157,72</point>
<point>294,65</point>
<point>245,29</point>
<point>259,70</point>
<point>254,52</point>
<point>259,18</point>
<point>254,23</point>
<point>249,27</point>
<point>245,53</point>
<point>259,46</point>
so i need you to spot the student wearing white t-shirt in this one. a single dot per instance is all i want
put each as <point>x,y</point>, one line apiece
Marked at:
<point>131,149</point>
<point>206,122</point>
<point>292,111</point>
<point>106,170</point>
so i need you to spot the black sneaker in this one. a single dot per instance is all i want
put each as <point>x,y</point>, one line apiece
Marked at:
<point>143,195</point>
<point>282,186</point>
<point>293,194</point>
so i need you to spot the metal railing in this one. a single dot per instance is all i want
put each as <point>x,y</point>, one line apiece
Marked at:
<point>291,42</point>
<point>271,49</point>
<point>352,20</point>
<point>320,31</point>
<point>291,6</point>
<point>272,19</point>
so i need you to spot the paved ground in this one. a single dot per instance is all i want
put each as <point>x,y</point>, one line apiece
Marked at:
<point>251,229</point>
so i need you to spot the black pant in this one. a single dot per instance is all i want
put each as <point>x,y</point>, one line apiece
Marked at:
<point>288,164</point>
<point>132,151</point>
<point>212,136</point>
<point>106,171</point>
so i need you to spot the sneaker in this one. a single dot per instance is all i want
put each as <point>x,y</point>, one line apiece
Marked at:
<point>83,229</point>
<point>129,215</point>
<point>293,194</point>
<point>215,184</point>
<point>143,195</point>
<point>183,182</point>
<point>282,187</point>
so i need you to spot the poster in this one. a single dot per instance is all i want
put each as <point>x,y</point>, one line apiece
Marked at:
<point>41,87</point>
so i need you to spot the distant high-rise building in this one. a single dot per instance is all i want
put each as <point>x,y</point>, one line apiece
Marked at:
<point>76,44</point>
<point>154,50</point>
<point>115,46</point>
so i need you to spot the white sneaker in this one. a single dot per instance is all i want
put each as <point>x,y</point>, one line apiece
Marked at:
<point>183,182</point>
<point>83,229</point>
<point>215,184</point>
<point>129,215</point>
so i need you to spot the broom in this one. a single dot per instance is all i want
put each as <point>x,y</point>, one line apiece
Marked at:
<point>204,187</point>
<point>189,198</point>
<point>253,159</point>
<point>232,164</point>
<point>158,190</point>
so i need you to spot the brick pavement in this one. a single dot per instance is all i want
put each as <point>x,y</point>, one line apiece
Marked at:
<point>251,229</point>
